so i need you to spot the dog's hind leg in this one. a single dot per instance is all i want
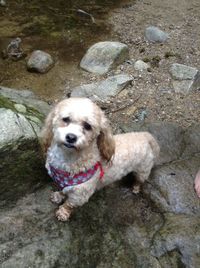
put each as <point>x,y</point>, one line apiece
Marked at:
<point>140,178</point>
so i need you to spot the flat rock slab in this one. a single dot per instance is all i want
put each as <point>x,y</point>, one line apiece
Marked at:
<point>185,78</point>
<point>24,97</point>
<point>102,90</point>
<point>182,72</point>
<point>103,56</point>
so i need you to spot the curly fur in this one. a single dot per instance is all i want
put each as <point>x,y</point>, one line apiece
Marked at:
<point>118,155</point>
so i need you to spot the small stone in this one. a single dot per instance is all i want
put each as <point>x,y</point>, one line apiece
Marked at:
<point>154,34</point>
<point>40,62</point>
<point>141,65</point>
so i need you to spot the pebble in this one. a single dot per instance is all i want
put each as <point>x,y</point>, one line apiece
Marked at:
<point>141,65</point>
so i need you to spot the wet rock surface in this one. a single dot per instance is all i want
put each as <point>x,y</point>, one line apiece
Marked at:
<point>157,228</point>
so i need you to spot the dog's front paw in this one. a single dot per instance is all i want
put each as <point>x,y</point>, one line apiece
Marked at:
<point>63,213</point>
<point>57,197</point>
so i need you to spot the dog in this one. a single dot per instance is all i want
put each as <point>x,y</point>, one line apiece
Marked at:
<point>82,155</point>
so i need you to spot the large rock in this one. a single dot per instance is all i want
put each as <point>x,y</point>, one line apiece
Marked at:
<point>158,228</point>
<point>103,56</point>
<point>20,124</point>
<point>102,90</point>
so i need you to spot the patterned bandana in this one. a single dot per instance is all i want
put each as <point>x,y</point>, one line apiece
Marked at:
<point>64,179</point>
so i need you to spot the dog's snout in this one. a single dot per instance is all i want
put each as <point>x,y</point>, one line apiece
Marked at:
<point>71,138</point>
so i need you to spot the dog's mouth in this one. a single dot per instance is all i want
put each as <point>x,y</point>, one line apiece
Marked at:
<point>70,146</point>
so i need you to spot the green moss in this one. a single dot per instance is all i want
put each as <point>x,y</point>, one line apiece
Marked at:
<point>6,103</point>
<point>29,112</point>
<point>146,59</point>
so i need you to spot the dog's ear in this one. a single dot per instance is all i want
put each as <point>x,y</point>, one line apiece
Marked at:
<point>105,140</point>
<point>47,132</point>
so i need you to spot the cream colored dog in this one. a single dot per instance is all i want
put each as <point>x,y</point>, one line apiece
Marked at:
<point>83,155</point>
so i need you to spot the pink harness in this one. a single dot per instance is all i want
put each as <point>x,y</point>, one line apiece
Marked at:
<point>64,179</point>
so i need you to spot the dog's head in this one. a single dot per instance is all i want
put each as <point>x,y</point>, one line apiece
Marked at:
<point>75,123</point>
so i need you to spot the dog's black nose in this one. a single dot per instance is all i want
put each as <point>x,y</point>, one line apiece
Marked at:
<point>71,138</point>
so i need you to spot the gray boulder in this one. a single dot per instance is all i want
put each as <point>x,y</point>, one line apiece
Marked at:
<point>103,56</point>
<point>40,61</point>
<point>20,123</point>
<point>102,90</point>
<point>154,34</point>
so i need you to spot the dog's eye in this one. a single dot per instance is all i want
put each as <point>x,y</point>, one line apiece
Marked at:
<point>66,119</point>
<point>87,126</point>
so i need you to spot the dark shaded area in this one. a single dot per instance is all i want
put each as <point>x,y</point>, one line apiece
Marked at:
<point>17,176</point>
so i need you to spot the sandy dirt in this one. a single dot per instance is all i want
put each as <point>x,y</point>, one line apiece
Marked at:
<point>181,19</point>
